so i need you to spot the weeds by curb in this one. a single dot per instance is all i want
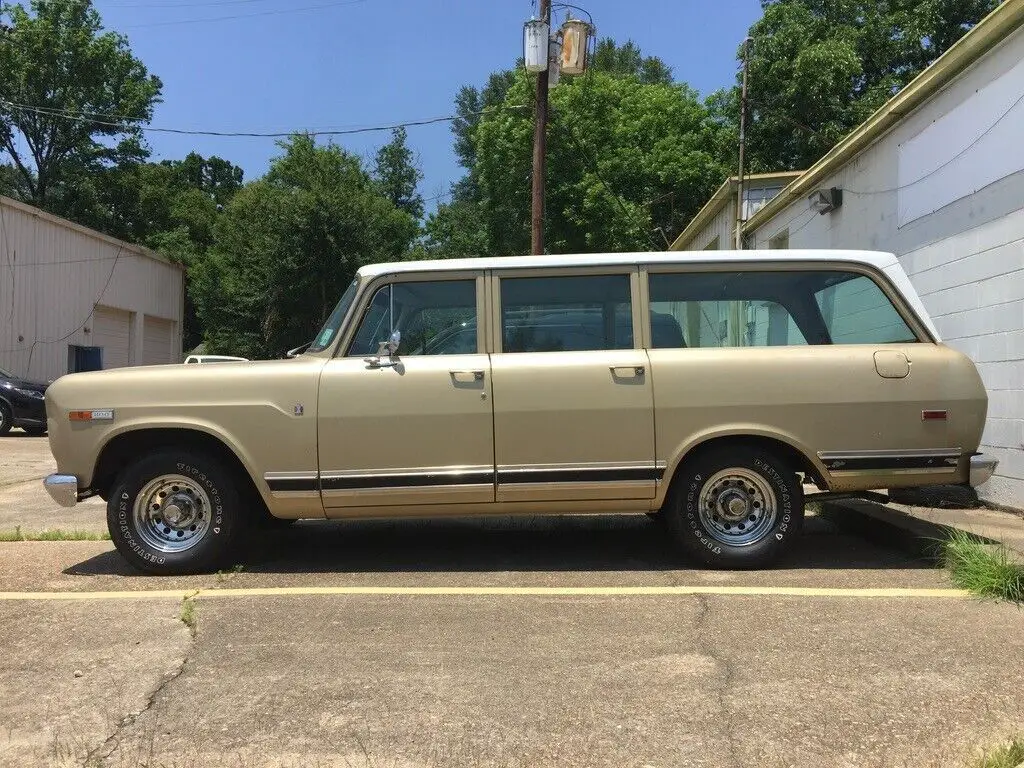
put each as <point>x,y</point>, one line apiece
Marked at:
<point>55,535</point>
<point>984,569</point>
<point>1008,755</point>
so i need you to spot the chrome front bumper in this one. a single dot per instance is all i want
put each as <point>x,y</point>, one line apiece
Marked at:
<point>982,468</point>
<point>63,489</point>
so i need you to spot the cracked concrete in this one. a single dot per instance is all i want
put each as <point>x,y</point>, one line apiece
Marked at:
<point>71,671</point>
<point>714,648</point>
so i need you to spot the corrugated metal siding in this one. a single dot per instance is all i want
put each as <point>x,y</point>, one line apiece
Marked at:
<point>112,331</point>
<point>156,341</point>
<point>53,274</point>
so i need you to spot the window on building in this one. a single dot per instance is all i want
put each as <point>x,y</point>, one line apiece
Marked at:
<point>562,314</point>
<point>434,318</point>
<point>81,359</point>
<point>771,309</point>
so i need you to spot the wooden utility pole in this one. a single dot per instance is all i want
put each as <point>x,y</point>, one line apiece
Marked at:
<point>540,136</point>
<point>743,142</point>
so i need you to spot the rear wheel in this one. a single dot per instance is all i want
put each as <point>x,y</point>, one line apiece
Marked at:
<point>175,512</point>
<point>6,419</point>
<point>736,507</point>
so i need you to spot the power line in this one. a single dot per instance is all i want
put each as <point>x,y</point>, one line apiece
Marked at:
<point>88,117</point>
<point>278,12</point>
<point>597,172</point>
<point>932,172</point>
<point>210,4</point>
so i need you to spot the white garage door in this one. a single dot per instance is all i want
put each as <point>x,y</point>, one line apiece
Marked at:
<point>156,341</point>
<point>112,330</point>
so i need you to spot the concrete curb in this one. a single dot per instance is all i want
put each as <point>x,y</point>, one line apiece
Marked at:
<point>22,481</point>
<point>919,530</point>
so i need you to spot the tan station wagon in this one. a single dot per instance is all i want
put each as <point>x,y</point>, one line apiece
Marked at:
<point>703,388</point>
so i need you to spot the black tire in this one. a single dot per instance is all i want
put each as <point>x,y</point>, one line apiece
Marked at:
<point>203,482</point>
<point>6,419</point>
<point>753,507</point>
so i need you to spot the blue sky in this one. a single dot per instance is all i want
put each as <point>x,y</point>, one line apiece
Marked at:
<point>354,63</point>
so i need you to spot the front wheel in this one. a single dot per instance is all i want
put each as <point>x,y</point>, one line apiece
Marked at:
<point>175,512</point>
<point>737,507</point>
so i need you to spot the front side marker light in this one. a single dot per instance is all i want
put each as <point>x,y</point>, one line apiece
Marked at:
<point>100,414</point>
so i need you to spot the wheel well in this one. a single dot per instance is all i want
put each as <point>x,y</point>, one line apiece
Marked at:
<point>795,458</point>
<point>130,445</point>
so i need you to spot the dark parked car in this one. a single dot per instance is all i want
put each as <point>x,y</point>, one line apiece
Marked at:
<point>21,404</point>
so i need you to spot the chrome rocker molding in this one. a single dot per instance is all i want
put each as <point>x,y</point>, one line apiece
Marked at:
<point>460,477</point>
<point>899,462</point>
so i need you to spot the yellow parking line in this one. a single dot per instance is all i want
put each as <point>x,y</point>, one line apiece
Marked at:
<point>179,594</point>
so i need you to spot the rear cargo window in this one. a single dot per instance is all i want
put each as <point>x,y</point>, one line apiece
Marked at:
<point>770,309</point>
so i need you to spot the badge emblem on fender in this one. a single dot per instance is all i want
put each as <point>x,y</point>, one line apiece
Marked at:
<point>298,409</point>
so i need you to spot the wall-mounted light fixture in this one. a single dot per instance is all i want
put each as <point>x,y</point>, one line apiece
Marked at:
<point>825,200</point>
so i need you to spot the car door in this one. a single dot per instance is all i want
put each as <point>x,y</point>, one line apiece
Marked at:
<point>573,404</point>
<point>414,427</point>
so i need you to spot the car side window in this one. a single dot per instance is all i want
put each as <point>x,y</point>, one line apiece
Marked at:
<point>770,308</point>
<point>856,311</point>
<point>437,317</point>
<point>562,314</point>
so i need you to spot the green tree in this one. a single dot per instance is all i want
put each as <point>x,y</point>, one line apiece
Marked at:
<point>399,177</point>
<point>71,93</point>
<point>286,246</point>
<point>631,157</point>
<point>818,68</point>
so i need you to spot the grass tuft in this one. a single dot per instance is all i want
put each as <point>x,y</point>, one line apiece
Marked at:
<point>188,615</point>
<point>983,569</point>
<point>55,535</point>
<point>1009,755</point>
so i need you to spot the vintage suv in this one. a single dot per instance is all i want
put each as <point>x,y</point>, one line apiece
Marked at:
<point>705,388</point>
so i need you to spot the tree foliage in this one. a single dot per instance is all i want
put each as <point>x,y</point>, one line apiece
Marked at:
<point>818,68</point>
<point>58,65</point>
<point>288,244</point>
<point>399,176</point>
<point>630,159</point>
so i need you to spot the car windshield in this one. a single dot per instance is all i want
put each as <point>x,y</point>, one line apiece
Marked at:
<point>333,325</point>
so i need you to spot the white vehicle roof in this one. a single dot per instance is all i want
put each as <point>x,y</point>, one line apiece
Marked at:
<point>873,258</point>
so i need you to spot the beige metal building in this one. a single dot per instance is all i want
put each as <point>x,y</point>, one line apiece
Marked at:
<point>73,299</point>
<point>935,176</point>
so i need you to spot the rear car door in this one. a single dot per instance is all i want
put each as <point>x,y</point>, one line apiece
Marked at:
<point>573,404</point>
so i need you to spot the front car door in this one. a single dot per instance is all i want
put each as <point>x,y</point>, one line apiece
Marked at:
<point>573,404</point>
<point>413,428</point>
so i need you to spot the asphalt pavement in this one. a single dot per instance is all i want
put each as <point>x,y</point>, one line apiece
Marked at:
<point>505,642</point>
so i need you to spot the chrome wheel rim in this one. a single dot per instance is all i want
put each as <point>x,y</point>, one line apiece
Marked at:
<point>737,507</point>
<point>172,513</point>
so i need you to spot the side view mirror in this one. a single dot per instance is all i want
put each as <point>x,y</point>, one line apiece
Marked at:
<point>298,350</point>
<point>387,349</point>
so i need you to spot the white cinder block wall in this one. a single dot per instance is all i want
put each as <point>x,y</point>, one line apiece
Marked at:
<point>944,191</point>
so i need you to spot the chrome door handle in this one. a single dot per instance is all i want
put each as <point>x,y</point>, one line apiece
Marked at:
<point>624,371</point>
<point>477,375</point>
